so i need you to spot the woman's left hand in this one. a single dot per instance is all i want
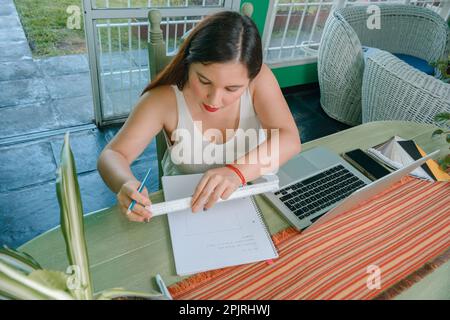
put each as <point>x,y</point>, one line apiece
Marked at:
<point>215,183</point>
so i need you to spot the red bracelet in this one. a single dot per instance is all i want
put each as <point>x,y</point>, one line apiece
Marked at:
<point>238,172</point>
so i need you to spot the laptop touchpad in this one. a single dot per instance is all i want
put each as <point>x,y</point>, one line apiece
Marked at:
<point>296,168</point>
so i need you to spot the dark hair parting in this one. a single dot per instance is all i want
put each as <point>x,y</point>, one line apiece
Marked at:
<point>219,38</point>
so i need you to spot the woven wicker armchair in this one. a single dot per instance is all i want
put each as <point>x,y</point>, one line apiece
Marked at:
<point>393,90</point>
<point>405,29</point>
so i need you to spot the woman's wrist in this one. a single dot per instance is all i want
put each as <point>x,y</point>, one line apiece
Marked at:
<point>237,172</point>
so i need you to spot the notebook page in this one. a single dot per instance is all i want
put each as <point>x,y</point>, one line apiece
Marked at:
<point>230,233</point>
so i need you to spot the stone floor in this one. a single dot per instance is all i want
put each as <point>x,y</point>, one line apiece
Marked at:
<point>41,96</point>
<point>57,90</point>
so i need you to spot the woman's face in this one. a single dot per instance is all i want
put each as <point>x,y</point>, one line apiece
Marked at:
<point>218,85</point>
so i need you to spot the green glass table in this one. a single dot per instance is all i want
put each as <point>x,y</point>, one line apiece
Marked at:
<point>129,255</point>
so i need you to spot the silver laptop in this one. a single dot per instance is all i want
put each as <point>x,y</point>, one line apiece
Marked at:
<point>318,184</point>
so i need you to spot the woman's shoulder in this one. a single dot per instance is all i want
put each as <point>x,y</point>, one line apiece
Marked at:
<point>264,74</point>
<point>161,95</point>
<point>263,81</point>
<point>162,100</point>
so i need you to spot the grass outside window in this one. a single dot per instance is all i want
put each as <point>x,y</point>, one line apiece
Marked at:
<point>45,24</point>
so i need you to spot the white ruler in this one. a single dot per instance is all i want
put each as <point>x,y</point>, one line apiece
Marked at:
<point>269,183</point>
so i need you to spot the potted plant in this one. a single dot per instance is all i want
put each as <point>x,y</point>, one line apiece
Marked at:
<point>443,120</point>
<point>21,277</point>
<point>443,69</point>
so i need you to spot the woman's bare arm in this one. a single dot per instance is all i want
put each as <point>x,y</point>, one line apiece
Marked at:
<point>145,121</point>
<point>273,113</point>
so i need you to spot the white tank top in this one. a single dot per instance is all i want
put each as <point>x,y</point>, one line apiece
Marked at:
<point>192,152</point>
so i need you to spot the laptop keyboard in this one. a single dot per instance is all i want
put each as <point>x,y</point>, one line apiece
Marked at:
<point>311,195</point>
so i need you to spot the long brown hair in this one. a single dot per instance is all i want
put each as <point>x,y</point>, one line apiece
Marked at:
<point>222,37</point>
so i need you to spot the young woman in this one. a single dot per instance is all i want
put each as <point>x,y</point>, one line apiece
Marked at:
<point>215,85</point>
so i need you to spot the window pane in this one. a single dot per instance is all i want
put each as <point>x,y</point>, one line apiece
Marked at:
<point>297,26</point>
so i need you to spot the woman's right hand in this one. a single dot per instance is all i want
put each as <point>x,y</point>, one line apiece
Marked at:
<point>141,210</point>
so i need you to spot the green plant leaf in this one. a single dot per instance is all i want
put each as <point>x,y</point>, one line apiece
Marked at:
<point>447,160</point>
<point>14,284</point>
<point>437,133</point>
<point>52,279</point>
<point>448,138</point>
<point>444,162</point>
<point>71,209</point>
<point>5,296</point>
<point>19,260</point>
<point>14,290</point>
<point>117,293</point>
<point>442,118</point>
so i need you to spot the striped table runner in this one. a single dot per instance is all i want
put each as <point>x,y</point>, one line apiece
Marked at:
<point>370,252</point>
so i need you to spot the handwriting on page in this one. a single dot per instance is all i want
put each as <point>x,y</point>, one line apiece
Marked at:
<point>245,244</point>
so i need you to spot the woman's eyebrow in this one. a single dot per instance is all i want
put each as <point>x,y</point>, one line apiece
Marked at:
<point>232,86</point>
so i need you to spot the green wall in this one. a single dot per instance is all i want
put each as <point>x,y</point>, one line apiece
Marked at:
<point>295,75</point>
<point>286,76</point>
<point>259,12</point>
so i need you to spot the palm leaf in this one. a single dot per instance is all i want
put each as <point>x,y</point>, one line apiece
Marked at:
<point>16,285</point>
<point>51,279</point>
<point>18,260</point>
<point>71,208</point>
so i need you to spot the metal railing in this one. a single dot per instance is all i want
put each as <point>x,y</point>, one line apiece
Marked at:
<point>117,37</point>
<point>294,27</point>
<point>291,27</point>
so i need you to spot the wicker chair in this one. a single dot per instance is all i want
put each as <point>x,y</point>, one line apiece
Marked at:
<point>393,90</point>
<point>405,29</point>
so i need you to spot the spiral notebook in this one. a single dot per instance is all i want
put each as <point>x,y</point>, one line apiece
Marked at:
<point>228,234</point>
